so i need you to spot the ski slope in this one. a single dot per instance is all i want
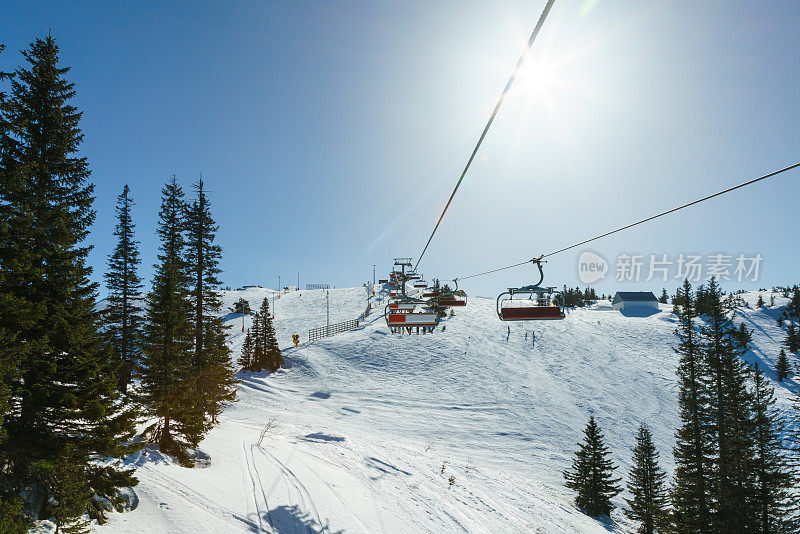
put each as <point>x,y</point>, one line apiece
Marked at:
<point>368,427</point>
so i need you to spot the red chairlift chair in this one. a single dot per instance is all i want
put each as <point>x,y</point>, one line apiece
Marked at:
<point>535,311</point>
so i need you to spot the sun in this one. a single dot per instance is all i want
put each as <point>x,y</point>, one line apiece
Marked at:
<point>535,77</point>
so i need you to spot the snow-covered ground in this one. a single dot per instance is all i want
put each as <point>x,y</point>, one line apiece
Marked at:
<point>368,427</point>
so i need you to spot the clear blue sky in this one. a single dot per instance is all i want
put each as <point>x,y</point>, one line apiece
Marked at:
<point>331,133</point>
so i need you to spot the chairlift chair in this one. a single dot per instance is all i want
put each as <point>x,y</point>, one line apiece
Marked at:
<point>532,310</point>
<point>454,298</point>
<point>406,313</point>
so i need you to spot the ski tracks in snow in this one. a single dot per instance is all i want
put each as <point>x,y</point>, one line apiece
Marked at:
<point>257,487</point>
<point>298,494</point>
<point>170,484</point>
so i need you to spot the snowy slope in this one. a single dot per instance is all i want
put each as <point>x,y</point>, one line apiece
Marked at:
<point>365,420</point>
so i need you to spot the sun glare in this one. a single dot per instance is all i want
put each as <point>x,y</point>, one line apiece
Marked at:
<point>535,77</point>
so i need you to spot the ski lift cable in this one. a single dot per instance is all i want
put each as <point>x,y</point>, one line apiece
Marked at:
<point>491,120</point>
<point>642,221</point>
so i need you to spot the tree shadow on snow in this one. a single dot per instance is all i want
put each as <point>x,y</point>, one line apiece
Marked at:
<point>151,454</point>
<point>253,380</point>
<point>384,468</point>
<point>319,437</point>
<point>755,355</point>
<point>606,522</point>
<point>291,520</point>
<point>639,312</point>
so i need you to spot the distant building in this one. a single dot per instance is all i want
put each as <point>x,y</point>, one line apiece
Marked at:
<point>625,300</point>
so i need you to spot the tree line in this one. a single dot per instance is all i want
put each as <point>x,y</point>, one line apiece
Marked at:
<point>733,470</point>
<point>75,379</point>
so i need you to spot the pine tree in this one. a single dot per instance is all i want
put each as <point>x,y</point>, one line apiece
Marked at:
<point>257,358</point>
<point>169,347</point>
<point>782,368</point>
<point>266,354</point>
<point>212,367</point>
<point>742,335</point>
<point>773,477</point>
<point>12,517</point>
<point>664,296</point>
<point>241,307</point>
<point>246,359</point>
<point>646,484</point>
<point>690,491</point>
<point>591,474</point>
<point>123,317</point>
<point>792,341</point>
<point>793,308</point>
<point>760,303</point>
<point>729,424</point>
<point>63,394</point>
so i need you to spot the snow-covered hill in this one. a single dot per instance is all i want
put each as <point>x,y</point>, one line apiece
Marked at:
<point>368,427</point>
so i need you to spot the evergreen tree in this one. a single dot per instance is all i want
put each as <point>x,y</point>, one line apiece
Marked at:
<point>701,300</point>
<point>212,368</point>
<point>241,307</point>
<point>64,411</point>
<point>760,303</point>
<point>690,491</point>
<point>664,296</point>
<point>729,427</point>
<point>742,335</point>
<point>122,317</point>
<point>773,477</point>
<point>793,308</point>
<point>782,368</point>
<point>792,341</point>
<point>591,474</point>
<point>266,354</point>
<point>246,359</point>
<point>12,517</point>
<point>257,358</point>
<point>646,484</point>
<point>169,347</point>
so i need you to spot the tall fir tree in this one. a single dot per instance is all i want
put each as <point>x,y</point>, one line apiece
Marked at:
<point>793,307</point>
<point>64,408</point>
<point>12,517</point>
<point>257,358</point>
<point>266,354</point>
<point>690,490</point>
<point>664,296</point>
<point>591,474</point>
<point>646,483</point>
<point>212,368</point>
<point>169,344</point>
<point>773,476</point>
<point>792,342</point>
<point>729,427</point>
<point>246,359</point>
<point>782,367</point>
<point>123,316</point>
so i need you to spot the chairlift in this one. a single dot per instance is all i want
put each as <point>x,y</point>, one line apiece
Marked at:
<point>406,313</point>
<point>548,305</point>
<point>453,298</point>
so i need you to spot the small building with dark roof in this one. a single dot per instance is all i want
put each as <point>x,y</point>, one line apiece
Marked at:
<point>625,300</point>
